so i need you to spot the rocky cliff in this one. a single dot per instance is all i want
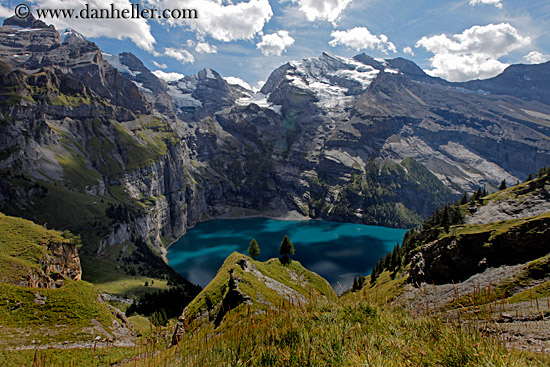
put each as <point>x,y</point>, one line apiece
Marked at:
<point>509,227</point>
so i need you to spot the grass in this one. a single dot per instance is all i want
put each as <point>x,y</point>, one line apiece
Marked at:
<point>65,357</point>
<point>496,228</point>
<point>65,315</point>
<point>386,288</point>
<point>23,247</point>
<point>307,284</point>
<point>352,332</point>
<point>80,296</point>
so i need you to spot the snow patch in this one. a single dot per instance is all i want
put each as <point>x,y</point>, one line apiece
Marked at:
<point>210,74</point>
<point>142,88</point>
<point>259,99</point>
<point>114,60</point>
<point>182,100</point>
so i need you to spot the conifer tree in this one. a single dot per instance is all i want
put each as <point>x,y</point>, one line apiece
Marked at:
<point>502,185</point>
<point>529,178</point>
<point>464,199</point>
<point>286,248</point>
<point>445,222</point>
<point>355,284</point>
<point>373,275</point>
<point>254,249</point>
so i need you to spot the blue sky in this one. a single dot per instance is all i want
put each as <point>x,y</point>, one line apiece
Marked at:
<point>457,40</point>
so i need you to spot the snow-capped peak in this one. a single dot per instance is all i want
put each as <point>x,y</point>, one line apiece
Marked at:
<point>70,36</point>
<point>333,79</point>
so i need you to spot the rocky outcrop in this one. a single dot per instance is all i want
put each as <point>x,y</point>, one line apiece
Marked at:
<point>512,228</point>
<point>61,263</point>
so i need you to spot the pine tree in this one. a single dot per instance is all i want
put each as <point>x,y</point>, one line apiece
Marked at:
<point>529,178</point>
<point>373,275</point>
<point>387,260</point>
<point>477,195</point>
<point>464,199</point>
<point>395,260</point>
<point>445,222</point>
<point>355,286</point>
<point>361,282</point>
<point>286,248</point>
<point>254,249</point>
<point>502,185</point>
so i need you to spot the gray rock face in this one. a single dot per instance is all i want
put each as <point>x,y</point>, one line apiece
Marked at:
<point>529,82</point>
<point>29,22</point>
<point>33,49</point>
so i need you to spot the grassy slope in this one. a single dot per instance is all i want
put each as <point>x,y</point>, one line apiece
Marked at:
<point>216,289</point>
<point>22,247</point>
<point>354,330</point>
<point>66,315</point>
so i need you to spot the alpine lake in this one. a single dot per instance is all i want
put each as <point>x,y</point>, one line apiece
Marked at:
<point>336,251</point>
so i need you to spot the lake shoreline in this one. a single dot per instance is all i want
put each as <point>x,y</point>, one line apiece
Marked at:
<point>240,213</point>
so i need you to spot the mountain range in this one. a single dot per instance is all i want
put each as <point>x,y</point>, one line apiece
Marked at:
<point>97,144</point>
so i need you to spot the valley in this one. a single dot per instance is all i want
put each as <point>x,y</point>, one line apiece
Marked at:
<point>104,166</point>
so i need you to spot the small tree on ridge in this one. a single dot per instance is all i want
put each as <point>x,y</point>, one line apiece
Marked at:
<point>254,249</point>
<point>287,248</point>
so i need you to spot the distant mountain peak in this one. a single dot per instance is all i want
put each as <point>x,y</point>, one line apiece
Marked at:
<point>29,22</point>
<point>72,37</point>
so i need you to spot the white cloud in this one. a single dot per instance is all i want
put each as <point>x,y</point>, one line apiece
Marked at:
<point>137,30</point>
<point>169,77</point>
<point>360,38</point>
<point>474,53</point>
<point>226,23</point>
<point>408,51</point>
<point>275,43</point>
<point>496,3</point>
<point>237,81</point>
<point>5,12</point>
<point>536,57</point>
<point>182,56</point>
<point>160,66</point>
<point>205,48</point>
<point>322,9</point>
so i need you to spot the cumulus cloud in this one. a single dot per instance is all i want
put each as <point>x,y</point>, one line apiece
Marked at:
<point>275,43</point>
<point>5,12</point>
<point>322,9</point>
<point>160,66</point>
<point>223,21</point>
<point>182,56</point>
<point>496,3</point>
<point>237,81</point>
<point>137,30</point>
<point>205,48</point>
<point>474,53</point>
<point>408,51</point>
<point>360,38</point>
<point>169,77</point>
<point>536,57</point>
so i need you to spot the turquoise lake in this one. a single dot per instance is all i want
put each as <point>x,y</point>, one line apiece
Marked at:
<point>336,251</point>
